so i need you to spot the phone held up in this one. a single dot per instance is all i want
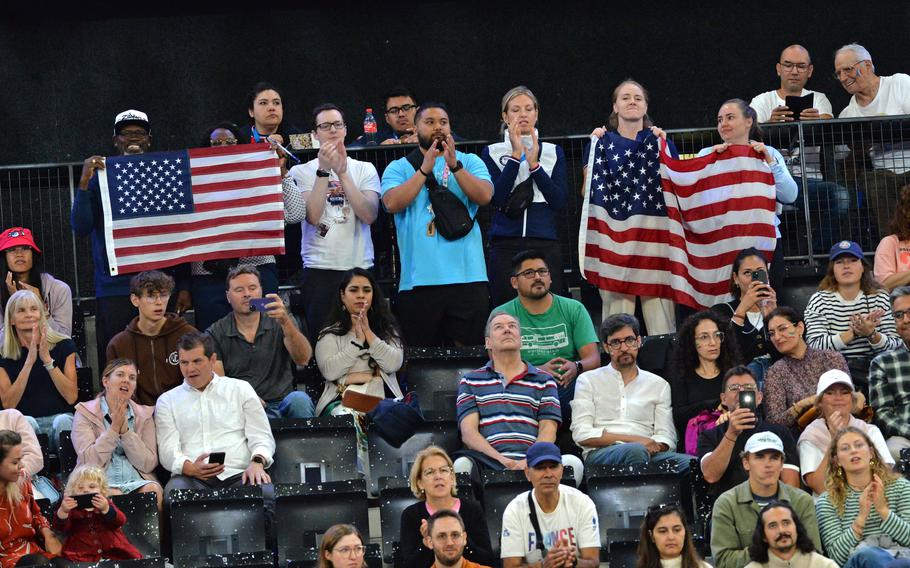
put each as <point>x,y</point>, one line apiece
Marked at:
<point>747,399</point>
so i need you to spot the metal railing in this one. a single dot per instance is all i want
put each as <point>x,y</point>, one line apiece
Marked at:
<point>849,173</point>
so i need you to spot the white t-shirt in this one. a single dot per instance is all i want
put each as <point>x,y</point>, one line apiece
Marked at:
<point>340,241</point>
<point>574,520</point>
<point>893,98</point>
<point>811,455</point>
<point>767,102</point>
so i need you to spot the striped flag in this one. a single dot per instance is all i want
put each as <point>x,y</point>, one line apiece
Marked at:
<point>167,208</point>
<point>669,228</point>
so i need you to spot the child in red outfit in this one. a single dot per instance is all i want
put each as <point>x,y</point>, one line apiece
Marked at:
<point>92,534</point>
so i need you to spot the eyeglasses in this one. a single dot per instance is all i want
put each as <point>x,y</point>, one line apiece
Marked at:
<point>717,336</point>
<point>530,273</point>
<point>401,109</point>
<point>326,126</point>
<point>847,71</point>
<point>443,471</point>
<point>223,142</point>
<point>155,298</point>
<point>350,550</point>
<point>772,333</point>
<point>789,66</point>
<point>746,387</point>
<point>901,314</point>
<point>630,342</point>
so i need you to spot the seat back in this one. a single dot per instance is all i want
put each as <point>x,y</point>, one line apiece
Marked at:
<point>656,354</point>
<point>394,497</point>
<point>216,522</point>
<point>433,373</point>
<point>85,384</point>
<point>389,461</point>
<point>499,488</point>
<point>304,512</point>
<point>142,521</point>
<point>260,559</point>
<point>317,450</point>
<point>67,455</point>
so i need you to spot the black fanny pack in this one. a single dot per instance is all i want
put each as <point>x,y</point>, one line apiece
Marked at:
<point>520,199</point>
<point>450,215</point>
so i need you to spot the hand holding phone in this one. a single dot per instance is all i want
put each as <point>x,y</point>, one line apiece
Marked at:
<point>84,501</point>
<point>747,399</point>
<point>216,457</point>
<point>259,304</point>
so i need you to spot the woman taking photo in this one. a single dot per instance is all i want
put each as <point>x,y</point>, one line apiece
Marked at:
<point>342,547</point>
<point>529,188</point>
<point>704,352</point>
<point>892,263</point>
<point>866,505</point>
<point>791,382</point>
<point>116,434</point>
<point>665,541</point>
<point>37,368</point>
<point>207,284</point>
<point>433,483</point>
<point>26,538</point>
<point>626,131</point>
<point>22,268</point>
<point>851,312</point>
<point>737,124</point>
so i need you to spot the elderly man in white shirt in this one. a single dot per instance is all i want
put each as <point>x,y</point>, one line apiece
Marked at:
<point>207,415</point>
<point>621,414</point>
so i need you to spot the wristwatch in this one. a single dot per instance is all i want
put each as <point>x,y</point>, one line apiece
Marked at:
<point>579,367</point>
<point>322,173</point>
<point>458,166</point>
<point>259,459</point>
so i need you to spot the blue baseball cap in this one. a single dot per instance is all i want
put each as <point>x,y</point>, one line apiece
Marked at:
<point>542,452</point>
<point>845,247</point>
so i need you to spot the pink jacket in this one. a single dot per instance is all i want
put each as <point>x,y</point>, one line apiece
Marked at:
<point>95,445</point>
<point>32,458</point>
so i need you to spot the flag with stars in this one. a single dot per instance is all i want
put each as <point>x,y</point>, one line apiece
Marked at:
<point>167,208</point>
<point>656,226</point>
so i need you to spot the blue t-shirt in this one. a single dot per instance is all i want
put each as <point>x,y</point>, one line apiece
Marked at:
<point>431,260</point>
<point>41,397</point>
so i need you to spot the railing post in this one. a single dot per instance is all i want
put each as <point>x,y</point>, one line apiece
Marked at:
<point>805,189</point>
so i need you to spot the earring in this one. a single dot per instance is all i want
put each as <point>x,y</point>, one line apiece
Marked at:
<point>871,464</point>
<point>344,308</point>
<point>840,472</point>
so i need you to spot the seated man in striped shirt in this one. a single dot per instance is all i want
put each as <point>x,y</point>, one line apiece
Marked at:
<point>506,405</point>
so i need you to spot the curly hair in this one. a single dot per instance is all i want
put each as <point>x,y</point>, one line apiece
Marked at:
<point>685,356</point>
<point>836,480</point>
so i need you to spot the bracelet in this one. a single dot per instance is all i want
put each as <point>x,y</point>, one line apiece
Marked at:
<point>728,439</point>
<point>422,172</point>
<point>359,346</point>
<point>49,366</point>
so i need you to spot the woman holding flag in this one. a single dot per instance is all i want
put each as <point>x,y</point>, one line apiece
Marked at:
<point>628,133</point>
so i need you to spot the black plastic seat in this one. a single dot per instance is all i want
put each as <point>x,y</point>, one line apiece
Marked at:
<point>389,461</point>
<point>150,562</point>
<point>304,512</point>
<point>142,526</point>
<point>499,488</point>
<point>67,455</point>
<point>216,522</point>
<point>656,354</point>
<point>317,450</point>
<point>85,384</point>
<point>259,559</point>
<point>433,373</point>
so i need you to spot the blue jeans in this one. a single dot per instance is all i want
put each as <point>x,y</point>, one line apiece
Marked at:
<point>869,557</point>
<point>829,203</point>
<point>635,454</point>
<point>297,404</point>
<point>52,426</point>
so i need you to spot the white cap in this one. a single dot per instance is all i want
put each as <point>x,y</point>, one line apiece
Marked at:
<point>131,116</point>
<point>762,441</point>
<point>833,377</point>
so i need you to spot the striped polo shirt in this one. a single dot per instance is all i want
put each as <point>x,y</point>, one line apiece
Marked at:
<point>509,411</point>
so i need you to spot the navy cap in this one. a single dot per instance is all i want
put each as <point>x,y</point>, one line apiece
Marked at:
<point>542,452</point>
<point>845,247</point>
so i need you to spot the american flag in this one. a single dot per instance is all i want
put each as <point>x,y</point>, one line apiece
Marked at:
<point>167,208</point>
<point>657,226</point>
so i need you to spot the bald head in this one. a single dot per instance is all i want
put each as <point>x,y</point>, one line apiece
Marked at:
<point>795,50</point>
<point>794,69</point>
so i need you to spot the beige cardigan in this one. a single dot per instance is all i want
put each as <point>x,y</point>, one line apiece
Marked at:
<point>32,458</point>
<point>95,444</point>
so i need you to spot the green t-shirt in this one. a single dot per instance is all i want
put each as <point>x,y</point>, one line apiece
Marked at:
<point>558,332</point>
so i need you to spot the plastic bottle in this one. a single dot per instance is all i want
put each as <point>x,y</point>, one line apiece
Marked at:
<point>369,128</point>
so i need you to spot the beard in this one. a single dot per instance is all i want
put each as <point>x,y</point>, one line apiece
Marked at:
<point>426,142</point>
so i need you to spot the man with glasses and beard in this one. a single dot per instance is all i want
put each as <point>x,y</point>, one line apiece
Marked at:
<point>443,294</point>
<point>719,448</point>
<point>780,540</point>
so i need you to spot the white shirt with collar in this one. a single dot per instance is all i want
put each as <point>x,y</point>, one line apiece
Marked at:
<point>603,403</point>
<point>225,417</point>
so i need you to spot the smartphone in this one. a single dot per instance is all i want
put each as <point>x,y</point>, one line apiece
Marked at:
<point>761,275</point>
<point>798,104</point>
<point>216,457</point>
<point>258,304</point>
<point>747,399</point>
<point>84,501</point>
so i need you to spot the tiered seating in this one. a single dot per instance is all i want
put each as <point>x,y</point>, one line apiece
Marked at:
<point>142,526</point>
<point>386,460</point>
<point>433,373</point>
<point>316,450</point>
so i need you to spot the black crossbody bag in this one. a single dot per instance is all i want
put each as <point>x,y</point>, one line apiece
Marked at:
<point>536,524</point>
<point>450,215</point>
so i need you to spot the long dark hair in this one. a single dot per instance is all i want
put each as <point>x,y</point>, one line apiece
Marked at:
<point>382,322</point>
<point>755,132</point>
<point>867,282</point>
<point>758,550</point>
<point>34,275</point>
<point>685,357</point>
<point>648,555</point>
<point>738,262</point>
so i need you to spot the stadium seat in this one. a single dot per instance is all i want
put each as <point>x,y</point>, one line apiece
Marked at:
<point>386,460</point>
<point>309,557</point>
<point>656,354</point>
<point>150,562</point>
<point>67,456</point>
<point>142,526</point>
<point>702,500</point>
<point>304,512</point>
<point>85,384</point>
<point>433,373</point>
<point>260,559</point>
<point>622,495</point>
<point>51,460</point>
<point>216,522</point>
<point>317,450</point>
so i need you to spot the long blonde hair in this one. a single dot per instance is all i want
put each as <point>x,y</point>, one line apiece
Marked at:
<point>11,348</point>
<point>12,490</point>
<point>836,479</point>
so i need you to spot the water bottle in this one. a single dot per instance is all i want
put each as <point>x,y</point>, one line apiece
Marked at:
<point>369,128</point>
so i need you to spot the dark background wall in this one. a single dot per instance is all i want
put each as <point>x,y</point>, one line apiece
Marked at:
<point>66,75</point>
